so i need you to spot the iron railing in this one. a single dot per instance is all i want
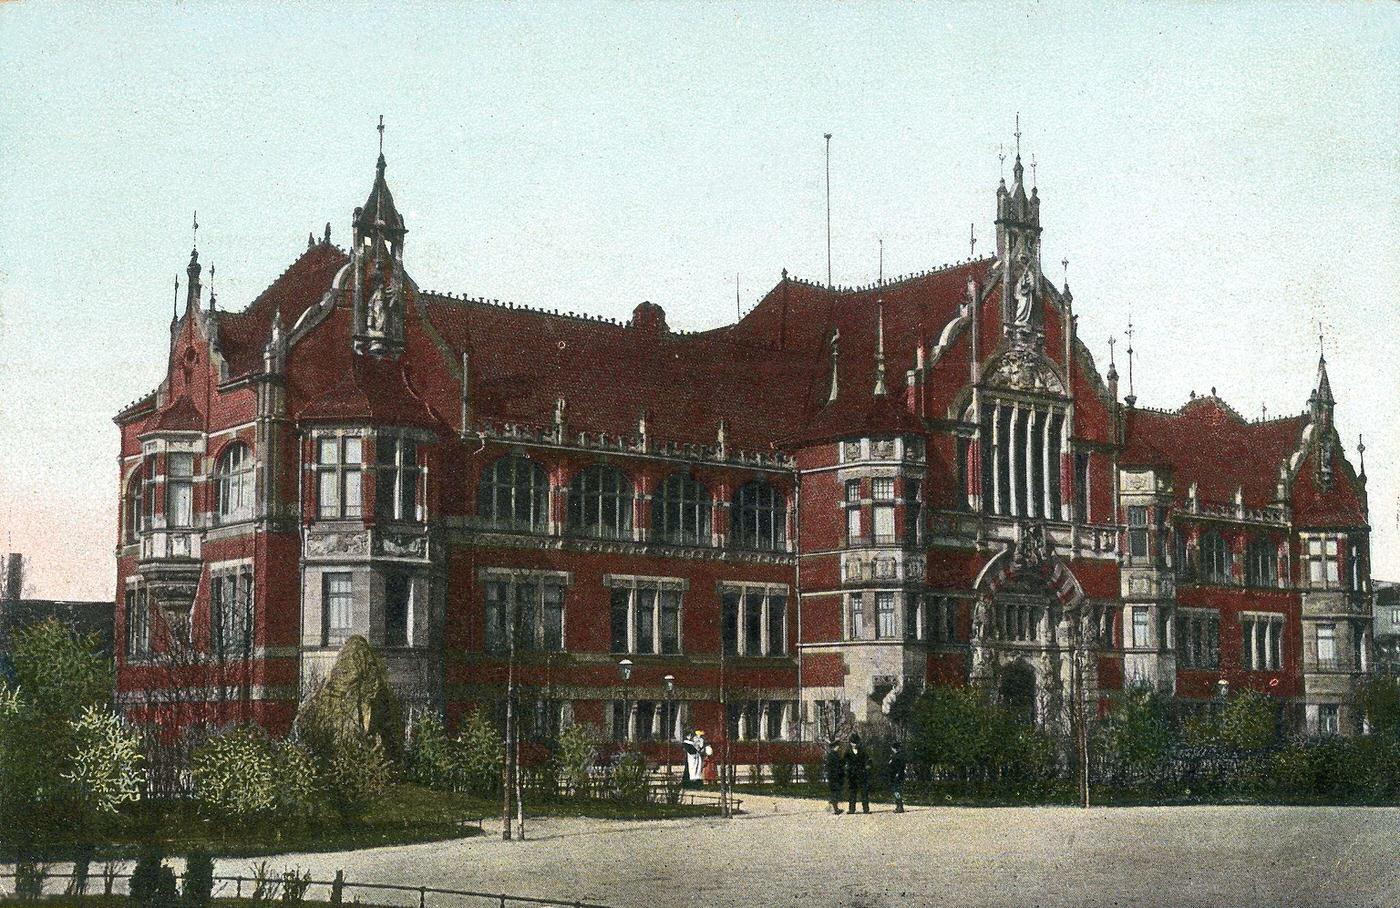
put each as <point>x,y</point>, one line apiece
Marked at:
<point>271,887</point>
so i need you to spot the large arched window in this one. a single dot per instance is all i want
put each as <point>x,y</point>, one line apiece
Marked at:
<point>680,511</point>
<point>132,514</point>
<point>1215,558</point>
<point>514,495</point>
<point>759,518</point>
<point>600,503</point>
<point>234,483</point>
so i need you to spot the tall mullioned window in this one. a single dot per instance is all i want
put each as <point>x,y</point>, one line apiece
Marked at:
<point>338,465</point>
<point>133,515</point>
<point>338,605</point>
<point>1320,559</point>
<point>534,605</point>
<point>1198,639</point>
<point>231,612</point>
<point>138,624</point>
<point>1261,562</point>
<point>759,518</point>
<point>514,495</point>
<point>179,490</point>
<point>1216,558</point>
<point>754,621</point>
<point>600,503</point>
<point>882,509</point>
<point>396,479</point>
<point>680,511</point>
<point>233,484</point>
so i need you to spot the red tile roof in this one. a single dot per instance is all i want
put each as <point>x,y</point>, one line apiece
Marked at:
<point>243,335</point>
<point>180,415</point>
<point>1209,444</point>
<point>372,390</point>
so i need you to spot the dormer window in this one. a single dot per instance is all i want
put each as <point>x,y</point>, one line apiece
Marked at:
<point>338,465</point>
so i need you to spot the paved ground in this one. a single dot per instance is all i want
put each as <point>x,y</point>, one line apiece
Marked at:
<point>790,852</point>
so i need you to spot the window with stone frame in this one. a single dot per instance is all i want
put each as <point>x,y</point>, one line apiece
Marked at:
<point>913,512</point>
<point>513,495</point>
<point>854,534</point>
<point>1320,560</point>
<point>884,615</point>
<point>338,608</point>
<point>399,607</point>
<point>753,620</point>
<point>1328,719</point>
<point>231,612</point>
<point>600,503</point>
<point>759,518</point>
<point>1197,639</point>
<point>1137,532</point>
<point>1261,562</point>
<point>681,511</point>
<point>855,623</point>
<point>133,513</point>
<point>1142,627</point>
<point>882,510</point>
<point>339,461</point>
<point>1216,558</point>
<point>758,720</point>
<point>396,478</point>
<point>233,484</point>
<point>138,623</point>
<point>179,489</point>
<point>1181,560</point>
<point>533,604</point>
<point>1261,642</point>
<point>1327,648</point>
<point>1356,566</point>
<point>646,617</point>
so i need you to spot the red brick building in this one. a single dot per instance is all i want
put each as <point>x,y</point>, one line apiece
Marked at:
<point>845,493</point>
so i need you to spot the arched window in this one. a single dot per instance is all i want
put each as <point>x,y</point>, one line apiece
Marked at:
<point>600,502</point>
<point>1215,558</point>
<point>680,511</point>
<point>514,495</point>
<point>132,514</point>
<point>234,483</point>
<point>759,518</point>
<point>1261,562</point>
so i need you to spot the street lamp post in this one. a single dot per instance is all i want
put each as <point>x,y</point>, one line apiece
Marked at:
<point>624,668</point>
<point>670,681</point>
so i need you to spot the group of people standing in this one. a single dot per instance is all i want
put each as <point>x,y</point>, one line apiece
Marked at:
<point>852,768</point>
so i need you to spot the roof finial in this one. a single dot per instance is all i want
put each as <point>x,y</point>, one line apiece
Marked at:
<point>1132,397</point>
<point>175,303</point>
<point>828,208</point>
<point>1032,170</point>
<point>1112,342</point>
<point>882,260</point>
<point>972,240</point>
<point>194,232</point>
<point>1018,133</point>
<point>381,133</point>
<point>1361,453</point>
<point>880,389</point>
<point>211,286</point>
<point>835,359</point>
<point>1001,160</point>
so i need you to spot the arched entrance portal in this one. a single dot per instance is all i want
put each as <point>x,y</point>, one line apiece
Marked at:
<point>1016,692</point>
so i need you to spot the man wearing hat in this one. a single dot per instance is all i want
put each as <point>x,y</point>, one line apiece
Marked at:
<point>834,774</point>
<point>897,770</point>
<point>857,773</point>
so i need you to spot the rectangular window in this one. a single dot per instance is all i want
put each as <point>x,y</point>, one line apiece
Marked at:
<point>1137,531</point>
<point>620,730</point>
<point>774,720</point>
<point>527,610</point>
<point>913,511</point>
<point>1248,656</point>
<point>912,623</point>
<point>338,464</point>
<point>179,490</point>
<point>231,612</point>
<point>396,485</point>
<point>751,721</point>
<point>670,622</point>
<point>1081,486</point>
<point>884,609</point>
<point>339,606</point>
<point>882,492</point>
<point>853,491</point>
<point>645,613</point>
<point>398,609</point>
<point>857,616</point>
<point>1321,557</point>
<point>553,618</point>
<point>1327,646</point>
<point>621,620</point>
<point>497,609</point>
<point>138,624</point>
<point>1275,644</point>
<point>1141,627</point>
<point>753,624</point>
<point>730,606</point>
<point>1328,719</point>
<point>777,625</point>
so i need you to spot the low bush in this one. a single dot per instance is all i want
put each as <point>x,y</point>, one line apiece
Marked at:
<point>199,878</point>
<point>782,774</point>
<point>630,778</point>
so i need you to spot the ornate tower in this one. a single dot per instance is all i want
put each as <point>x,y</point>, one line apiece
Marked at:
<point>1321,405</point>
<point>377,253</point>
<point>1018,252</point>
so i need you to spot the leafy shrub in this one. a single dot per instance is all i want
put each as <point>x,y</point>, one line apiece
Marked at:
<point>630,778</point>
<point>167,895</point>
<point>812,772</point>
<point>354,775</point>
<point>235,774</point>
<point>199,878</point>
<point>1248,722</point>
<point>1139,735</point>
<point>265,884</point>
<point>145,877</point>
<point>29,880</point>
<point>782,773</point>
<point>428,755</point>
<point>105,761</point>
<point>294,886</point>
<point>576,752</point>
<point>479,755</point>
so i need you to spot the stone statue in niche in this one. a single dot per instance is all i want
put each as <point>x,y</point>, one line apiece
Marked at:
<point>1024,293</point>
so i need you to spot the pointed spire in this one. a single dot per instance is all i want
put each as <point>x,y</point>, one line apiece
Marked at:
<point>175,303</point>
<point>880,389</point>
<point>310,240</point>
<point>1324,386</point>
<point>211,286</point>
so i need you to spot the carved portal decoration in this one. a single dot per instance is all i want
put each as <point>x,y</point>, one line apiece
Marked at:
<point>1033,548</point>
<point>1024,369</point>
<point>403,546</point>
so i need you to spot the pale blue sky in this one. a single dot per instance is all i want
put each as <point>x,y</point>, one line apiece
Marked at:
<point>1229,172</point>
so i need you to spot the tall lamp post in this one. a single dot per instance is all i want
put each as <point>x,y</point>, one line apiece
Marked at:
<point>624,668</point>
<point>670,681</point>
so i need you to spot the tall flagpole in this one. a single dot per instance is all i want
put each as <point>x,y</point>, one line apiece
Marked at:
<point>828,209</point>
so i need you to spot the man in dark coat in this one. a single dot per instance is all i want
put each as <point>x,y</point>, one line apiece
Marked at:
<point>834,774</point>
<point>857,773</point>
<point>897,771</point>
